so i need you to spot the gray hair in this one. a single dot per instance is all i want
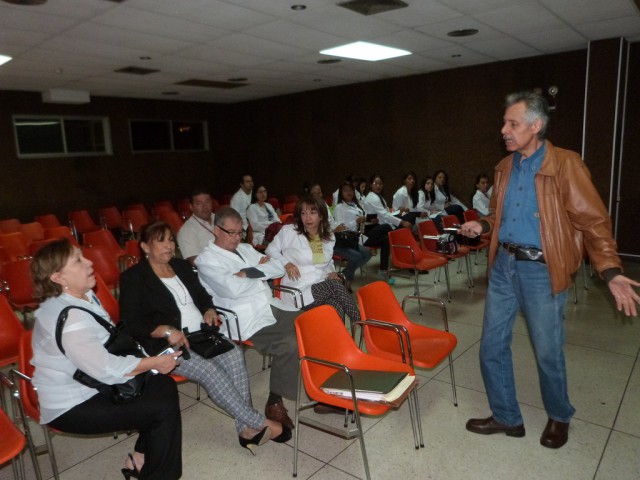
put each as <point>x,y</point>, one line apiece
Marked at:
<point>226,213</point>
<point>536,108</point>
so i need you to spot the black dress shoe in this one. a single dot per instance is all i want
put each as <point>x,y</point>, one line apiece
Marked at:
<point>555,434</point>
<point>488,426</point>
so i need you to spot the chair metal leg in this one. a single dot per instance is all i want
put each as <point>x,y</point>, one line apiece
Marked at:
<point>446,274</point>
<point>419,422</point>
<point>453,381</point>
<point>52,456</point>
<point>412,416</point>
<point>197,391</point>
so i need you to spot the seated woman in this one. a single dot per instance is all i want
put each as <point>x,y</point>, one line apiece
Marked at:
<point>409,199</point>
<point>159,297</point>
<point>306,250</point>
<point>260,215</point>
<point>482,196</point>
<point>444,199</point>
<point>375,206</point>
<point>434,213</point>
<point>62,277</point>
<point>349,213</point>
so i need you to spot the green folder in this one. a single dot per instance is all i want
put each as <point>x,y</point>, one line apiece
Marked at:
<point>370,381</point>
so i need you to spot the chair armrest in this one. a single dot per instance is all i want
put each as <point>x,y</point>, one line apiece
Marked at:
<point>407,247</point>
<point>226,313</point>
<point>435,303</point>
<point>399,329</point>
<point>296,292</point>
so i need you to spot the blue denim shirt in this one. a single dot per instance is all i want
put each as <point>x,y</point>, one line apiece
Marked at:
<point>520,214</point>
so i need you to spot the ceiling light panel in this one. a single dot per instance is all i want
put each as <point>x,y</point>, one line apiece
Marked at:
<point>365,51</point>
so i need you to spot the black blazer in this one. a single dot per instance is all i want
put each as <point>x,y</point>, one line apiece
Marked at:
<point>145,302</point>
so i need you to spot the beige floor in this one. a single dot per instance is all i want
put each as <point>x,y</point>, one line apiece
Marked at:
<point>604,380</point>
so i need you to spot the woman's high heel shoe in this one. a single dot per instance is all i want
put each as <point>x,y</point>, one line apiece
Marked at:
<point>285,436</point>
<point>260,439</point>
<point>131,472</point>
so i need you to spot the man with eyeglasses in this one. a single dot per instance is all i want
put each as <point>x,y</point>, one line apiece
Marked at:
<point>235,275</point>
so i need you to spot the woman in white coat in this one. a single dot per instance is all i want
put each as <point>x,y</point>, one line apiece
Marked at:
<point>409,199</point>
<point>306,250</point>
<point>260,214</point>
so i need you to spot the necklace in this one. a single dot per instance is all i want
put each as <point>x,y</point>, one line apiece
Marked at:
<point>175,292</point>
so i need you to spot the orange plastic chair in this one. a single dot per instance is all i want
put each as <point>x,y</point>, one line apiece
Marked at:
<point>4,258</point>
<point>20,286</point>
<point>292,198</point>
<point>9,225</point>
<point>60,232</point>
<point>105,239</point>
<point>26,403</point>
<point>286,218</point>
<point>450,221</point>
<point>429,228</point>
<point>289,207</point>
<point>162,206</point>
<point>471,214</point>
<point>275,203</point>
<point>32,231</point>
<point>104,264</point>
<point>106,299</point>
<point>12,442</point>
<point>141,207</point>
<point>133,220</point>
<point>184,208</point>
<point>427,347</point>
<point>110,217</point>
<point>406,253</point>
<point>326,347</point>
<point>10,330</point>
<point>81,222</point>
<point>15,245</point>
<point>173,219</point>
<point>47,220</point>
<point>38,244</point>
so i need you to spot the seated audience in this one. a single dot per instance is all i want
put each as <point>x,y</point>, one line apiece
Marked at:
<point>260,215</point>
<point>197,231</point>
<point>375,204</point>
<point>62,277</point>
<point>242,199</point>
<point>159,297</point>
<point>483,194</point>
<point>444,199</point>
<point>235,275</point>
<point>349,213</point>
<point>362,188</point>
<point>306,250</point>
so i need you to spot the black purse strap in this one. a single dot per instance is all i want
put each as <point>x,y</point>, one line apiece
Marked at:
<point>64,314</point>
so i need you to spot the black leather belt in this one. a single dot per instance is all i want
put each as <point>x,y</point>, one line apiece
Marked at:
<point>527,254</point>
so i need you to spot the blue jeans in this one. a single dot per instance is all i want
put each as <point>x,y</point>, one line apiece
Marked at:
<point>355,259</point>
<point>526,286</point>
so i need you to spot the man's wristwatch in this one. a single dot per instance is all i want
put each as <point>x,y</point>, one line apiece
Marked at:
<point>168,332</point>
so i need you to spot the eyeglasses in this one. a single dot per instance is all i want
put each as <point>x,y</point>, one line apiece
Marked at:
<point>239,234</point>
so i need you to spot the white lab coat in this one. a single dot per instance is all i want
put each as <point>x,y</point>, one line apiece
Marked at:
<point>250,298</point>
<point>290,246</point>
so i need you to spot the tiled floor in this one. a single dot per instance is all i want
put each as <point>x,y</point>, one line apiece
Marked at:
<point>604,381</point>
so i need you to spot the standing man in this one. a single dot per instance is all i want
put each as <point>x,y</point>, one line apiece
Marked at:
<point>242,199</point>
<point>543,211</point>
<point>197,231</point>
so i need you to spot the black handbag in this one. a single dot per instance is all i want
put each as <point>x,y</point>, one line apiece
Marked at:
<point>119,343</point>
<point>347,239</point>
<point>447,244</point>
<point>208,342</point>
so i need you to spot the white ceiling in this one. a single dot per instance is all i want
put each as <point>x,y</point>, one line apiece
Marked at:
<point>77,44</point>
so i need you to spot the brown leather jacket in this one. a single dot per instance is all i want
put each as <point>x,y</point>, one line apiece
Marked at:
<point>572,216</point>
